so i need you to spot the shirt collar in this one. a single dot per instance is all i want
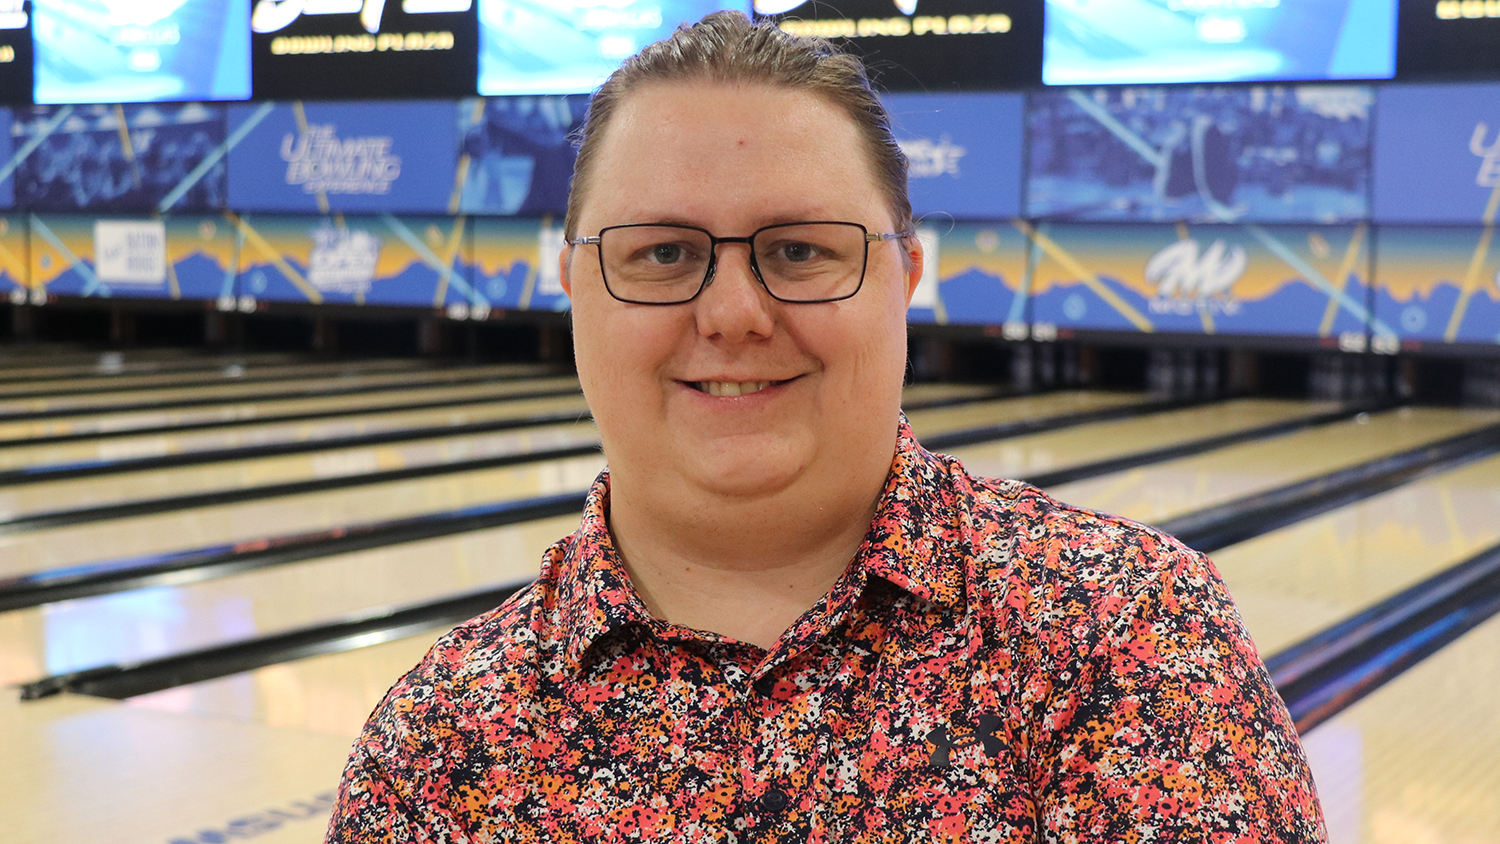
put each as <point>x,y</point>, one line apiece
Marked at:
<point>909,544</point>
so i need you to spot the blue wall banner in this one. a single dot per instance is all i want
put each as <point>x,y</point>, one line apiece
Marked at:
<point>1437,154</point>
<point>120,158</point>
<point>323,157</point>
<point>514,263</point>
<point>1304,281</point>
<point>972,274</point>
<point>8,160</point>
<point>188,256</point>
<point>965,152</point>
<point>15,276</point>
<point>516,154</point>
<point>1246,154</point>
<point>1439,284</point>
<point>374,259</point>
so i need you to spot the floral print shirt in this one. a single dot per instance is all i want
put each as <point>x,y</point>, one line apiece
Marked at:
<point>993,666</point>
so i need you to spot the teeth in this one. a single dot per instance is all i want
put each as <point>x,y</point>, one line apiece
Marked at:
<point>730,389</point>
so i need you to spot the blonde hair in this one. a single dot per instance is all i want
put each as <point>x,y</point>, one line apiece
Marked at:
<point>727,48</point>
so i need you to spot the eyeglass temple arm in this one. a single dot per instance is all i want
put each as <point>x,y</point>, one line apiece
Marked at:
<point>876,237</point>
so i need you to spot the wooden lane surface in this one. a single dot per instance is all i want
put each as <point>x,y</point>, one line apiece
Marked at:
<point>146,623</point>
<point>232,390</point>
<point>263,433</point>
<point>1419,759</point>
<point>80,771</point>
<point>269,433</point>
<point>944,419</point>
<point>312,686</point>
<point>225,373</point>
<point>33,551</point>
<point>250,410</point>
<point>1021,457</point>
<point>343,463</point>
<point>1155,493</point>
<point>157,621</point>
<point>312,465</point>
<point>1295,581</point>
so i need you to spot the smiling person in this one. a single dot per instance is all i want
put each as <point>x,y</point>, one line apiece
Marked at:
<point>781,619</point>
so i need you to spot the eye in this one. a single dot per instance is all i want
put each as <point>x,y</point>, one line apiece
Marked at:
<point>666,253</point>
<point>797,252</point>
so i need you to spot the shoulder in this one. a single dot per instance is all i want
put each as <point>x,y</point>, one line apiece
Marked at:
<point>1075,568</point>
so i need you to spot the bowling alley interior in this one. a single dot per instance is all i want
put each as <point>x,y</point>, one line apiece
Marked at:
<point>287,382</point>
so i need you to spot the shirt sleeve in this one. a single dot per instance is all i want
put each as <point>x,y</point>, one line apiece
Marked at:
<point>1166,726</point>
<point>370,809</point>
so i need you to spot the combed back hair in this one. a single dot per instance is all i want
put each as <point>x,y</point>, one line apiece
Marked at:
<point>727,48</point>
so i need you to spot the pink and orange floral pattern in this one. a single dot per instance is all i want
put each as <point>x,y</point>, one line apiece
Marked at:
<point>993,666</point>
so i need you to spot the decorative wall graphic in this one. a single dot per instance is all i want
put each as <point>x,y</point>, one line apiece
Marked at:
<point>321,157</point>
<point>120,158</point>
<point>517,153</point>
<point>1245,154</point>
<point>1304,281</point>
<point>15,275</point>
<point>381,259</point>
<point>189,256</point>
<point>964,152</point>
<point>1437,154</point>
<point>1439,284</point>
<point>977,275</point>
<point>514,263</point>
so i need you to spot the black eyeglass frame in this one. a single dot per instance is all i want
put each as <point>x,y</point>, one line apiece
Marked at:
<point>713,256</point>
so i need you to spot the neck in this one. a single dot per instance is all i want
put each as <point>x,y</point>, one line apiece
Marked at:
<point>746,568</point>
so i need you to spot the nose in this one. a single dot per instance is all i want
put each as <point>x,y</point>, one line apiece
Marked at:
<point>735,305</point>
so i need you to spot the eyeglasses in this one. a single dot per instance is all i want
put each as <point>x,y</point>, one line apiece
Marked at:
<point>651,264</point>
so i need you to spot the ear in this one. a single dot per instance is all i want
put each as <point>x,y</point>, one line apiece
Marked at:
<point>564,260</point>
<point>914,258</point>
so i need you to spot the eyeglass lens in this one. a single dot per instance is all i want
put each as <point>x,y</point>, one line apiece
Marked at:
<point>804,262</point>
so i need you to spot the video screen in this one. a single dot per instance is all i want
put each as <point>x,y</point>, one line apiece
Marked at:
<point>571,46</point>
<point>1104,42</point>
<point>128,51</point>
<point>927,45</point>
<point>364,49</point>
<point>1263,153</point>
<point>1447,39</point>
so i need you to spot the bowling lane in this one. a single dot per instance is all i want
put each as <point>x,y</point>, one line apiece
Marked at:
<point>37,550</point>
<point>186,480</point>
<point>75,770</point>
<point>1302,578</point>
<point>232,390</point>
<point>250,410</point>
<point>1419,759</point>
<point>1022,457</point>
<point>332,694</point>
<point>913,393</point>
<point>270,433</point>
<point>153,622</point>
<point>235,372</point>
<point>1161,491</point>
<point>943,419</point>
<point>29,499</point>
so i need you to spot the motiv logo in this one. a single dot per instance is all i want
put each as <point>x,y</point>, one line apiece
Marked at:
<point>1189,279</point>
<point>321,162</point>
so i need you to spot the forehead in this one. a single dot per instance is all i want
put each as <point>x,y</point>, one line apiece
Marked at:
<point>730,156</point>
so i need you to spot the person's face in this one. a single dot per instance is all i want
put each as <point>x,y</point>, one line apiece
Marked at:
<point>812,389</point>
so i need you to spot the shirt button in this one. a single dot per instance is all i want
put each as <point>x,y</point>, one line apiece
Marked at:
<point>774,800</point>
